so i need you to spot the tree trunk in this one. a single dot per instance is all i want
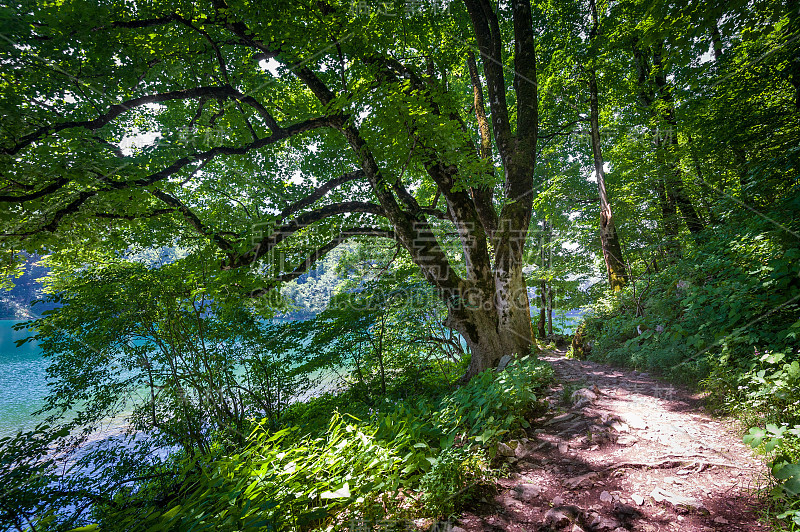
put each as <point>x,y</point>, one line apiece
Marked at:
<point>669,181</point>
<point>542,310</point>
<point>550,282</point>
<point>494,325</point>
<point>674,176</point>
<point>609,238</point>
<point>669,210</point>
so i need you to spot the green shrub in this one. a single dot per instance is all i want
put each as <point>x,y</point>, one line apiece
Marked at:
<point>769,397</point>
<point>454,476</point>
<point>494,404</point>
<point>434,452</point>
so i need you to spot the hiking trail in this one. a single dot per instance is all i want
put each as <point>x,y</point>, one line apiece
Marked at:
<point>621,451</point>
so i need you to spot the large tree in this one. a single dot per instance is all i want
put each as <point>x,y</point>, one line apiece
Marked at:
<point>264,135</point>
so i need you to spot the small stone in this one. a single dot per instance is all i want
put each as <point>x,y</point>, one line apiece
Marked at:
<point>619,426</point>
<point>604,523</point>
<point>638,499</point>
<point>557,500</point>
<point>556,518</point>
<point>458,529</point>
<point>563,447</point>
<point>626,440</point>
<point>527,492</point>
<point>583,396</point>
<point>678,501</point>
<point>635,422</point>
<point>504,361</point>
<point>583,481</point>
<point>524,448</point>
<point>606,497</point>
<point>625,510</point>
<point>561,516</point>
<point>721,520</point>
<point>563,417</point>
<point>504,450</point>
<point>576,528</point>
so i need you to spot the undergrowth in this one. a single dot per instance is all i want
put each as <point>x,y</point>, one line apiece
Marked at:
<point>423,458</point>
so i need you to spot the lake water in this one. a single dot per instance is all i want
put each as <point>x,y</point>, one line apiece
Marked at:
<point>22,380</point>
<point>23,383</point>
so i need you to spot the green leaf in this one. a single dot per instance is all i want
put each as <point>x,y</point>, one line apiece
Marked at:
<point>341,493</point>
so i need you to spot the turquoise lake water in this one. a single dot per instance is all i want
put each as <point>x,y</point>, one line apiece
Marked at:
<point>23,385</point>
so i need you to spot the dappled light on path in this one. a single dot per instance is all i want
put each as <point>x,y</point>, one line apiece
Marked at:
<point>621,451</point>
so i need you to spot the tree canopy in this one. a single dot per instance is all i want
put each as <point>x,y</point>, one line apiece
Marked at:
<point>180,163</point>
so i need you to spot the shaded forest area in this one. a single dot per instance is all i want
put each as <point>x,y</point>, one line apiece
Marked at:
<point>443,161</point>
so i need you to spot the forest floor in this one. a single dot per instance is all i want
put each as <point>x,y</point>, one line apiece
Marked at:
<point>621,450</point>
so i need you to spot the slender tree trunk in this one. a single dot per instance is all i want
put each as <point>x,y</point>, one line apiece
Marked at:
<point>698,169</point>
<point>542,311</point>
<point>380,355</point>
<point>716,41</point>
<point>674,175</point>
<point>541,325</point>
<point>609,238</point>
<point>741,169</point>
<point>668,207</point>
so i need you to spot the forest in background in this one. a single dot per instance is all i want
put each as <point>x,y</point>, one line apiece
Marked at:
<point>443,161</point>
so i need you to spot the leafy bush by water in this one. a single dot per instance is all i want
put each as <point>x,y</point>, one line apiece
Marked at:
<point>413,459</point>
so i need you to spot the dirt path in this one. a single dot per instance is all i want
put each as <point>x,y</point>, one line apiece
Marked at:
<point>622,451</point>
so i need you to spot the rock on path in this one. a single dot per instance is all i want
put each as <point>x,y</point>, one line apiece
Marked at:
<point>622,451</point>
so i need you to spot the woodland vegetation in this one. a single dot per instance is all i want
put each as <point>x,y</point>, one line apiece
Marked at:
<point>430,171</point>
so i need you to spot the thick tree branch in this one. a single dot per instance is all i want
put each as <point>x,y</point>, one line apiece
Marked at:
<point>415,235</point>
<point>49,189</point>
<point>269,241</point>
<point>482,196</point>
<point>201,158</point>
<point>194,221</point>
<point>319,193</point>
<point>489,40</point>
<point>113,216</point>
<point>320,252</point>
<point>218,92</point>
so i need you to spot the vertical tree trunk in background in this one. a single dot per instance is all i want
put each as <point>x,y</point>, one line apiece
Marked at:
<point>669,211</point>
<point>716,41</point>
<point>609,238</point>
<point>673,177</point>
<point>740,159</point>
<point>669,181</point>
<point>542,310</point>
<point>542,324</point>
<point>698,169</point>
